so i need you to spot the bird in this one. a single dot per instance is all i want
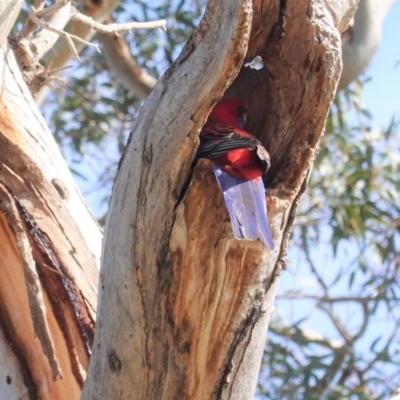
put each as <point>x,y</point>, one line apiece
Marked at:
<point>239,161</point>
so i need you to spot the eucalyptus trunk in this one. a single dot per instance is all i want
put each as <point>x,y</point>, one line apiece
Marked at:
<point>49,249</point>
<point>183,306</point>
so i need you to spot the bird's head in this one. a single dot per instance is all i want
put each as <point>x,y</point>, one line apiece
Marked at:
<point>230,111</point>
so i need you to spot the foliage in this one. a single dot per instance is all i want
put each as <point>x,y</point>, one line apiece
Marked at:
<point>337,330</point>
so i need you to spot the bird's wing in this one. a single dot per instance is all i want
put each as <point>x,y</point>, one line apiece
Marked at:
<point>218,139</point>
<point>247,207</point>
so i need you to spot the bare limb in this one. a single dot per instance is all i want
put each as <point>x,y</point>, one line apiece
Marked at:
<point>67,36</point>
<point>9,11</point>
<point>60,54</point>
<point>114,28</point>
<point>327,299</point>
<point>124,67</point>
<point>30,25</point>
<point>45,12</point>
<point>29,51</point>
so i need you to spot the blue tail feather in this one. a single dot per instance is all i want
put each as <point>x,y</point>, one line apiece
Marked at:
<point>247,207</point>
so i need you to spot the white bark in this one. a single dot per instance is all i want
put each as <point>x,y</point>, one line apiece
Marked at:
<point>49,250</point>
<point>124,67</point>
<point>43,148</point>
<point>59,55</point>
<point>9,10</point>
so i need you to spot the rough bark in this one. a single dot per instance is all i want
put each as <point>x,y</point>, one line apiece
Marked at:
<point>49,249</point>
<point>184,307</point>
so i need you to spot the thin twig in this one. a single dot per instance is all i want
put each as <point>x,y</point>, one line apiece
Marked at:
<point>114,28</point>
<point>316,273</point>
<point>67,36</point>
<point>327,299</point>
<point>48,69</point>
<point>29,25</point>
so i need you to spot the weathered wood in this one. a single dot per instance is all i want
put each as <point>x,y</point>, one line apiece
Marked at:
<point>184,307</point>
<point>48,285</point>
<point>61,53</point>
<point>161,150</point>
<point>9,10</point>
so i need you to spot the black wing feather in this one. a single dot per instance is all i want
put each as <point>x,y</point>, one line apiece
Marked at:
<point>218,140</point>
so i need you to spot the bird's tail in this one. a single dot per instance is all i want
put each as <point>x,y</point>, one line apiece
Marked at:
<point>247,207</point>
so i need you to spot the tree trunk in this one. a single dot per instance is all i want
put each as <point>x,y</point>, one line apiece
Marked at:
<point>49,251</point>
<point>184,307</point>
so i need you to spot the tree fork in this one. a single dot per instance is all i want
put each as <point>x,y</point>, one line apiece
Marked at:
<point>184,307</point>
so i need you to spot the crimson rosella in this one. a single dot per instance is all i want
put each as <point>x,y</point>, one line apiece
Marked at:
<point>239,161</point>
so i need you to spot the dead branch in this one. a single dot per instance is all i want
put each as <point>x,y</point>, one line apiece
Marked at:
<point>113,28</point>
<point>9,11</point>
<point>52,21</point>
<point>124,67</point>
<point>67,36</point>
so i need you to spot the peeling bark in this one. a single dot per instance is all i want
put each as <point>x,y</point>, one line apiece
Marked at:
<point>184,307</point>
<point>48,284</point>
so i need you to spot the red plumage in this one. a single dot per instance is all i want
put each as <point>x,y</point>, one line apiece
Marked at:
<point>239,162</point>
<point>224,142</point>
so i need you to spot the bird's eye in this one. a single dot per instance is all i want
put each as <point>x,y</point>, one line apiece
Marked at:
<point>242,117</point>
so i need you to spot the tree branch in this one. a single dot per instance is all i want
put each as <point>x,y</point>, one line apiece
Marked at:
<point>29,51</point>
<point>125,68</point>
<point>113,28</point>
<point>30,25</point>
<point>60,54</point>
<point>67,36</point>
<point>328,299</point>
<point>361,40</point>
<point>9,11</point>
